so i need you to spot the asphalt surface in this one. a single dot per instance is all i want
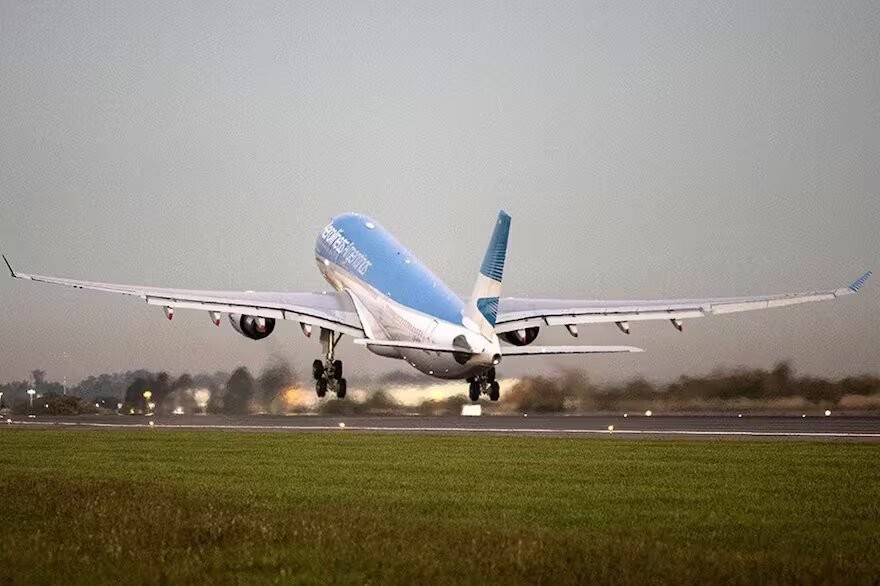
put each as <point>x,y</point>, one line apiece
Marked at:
<point>633,426</point>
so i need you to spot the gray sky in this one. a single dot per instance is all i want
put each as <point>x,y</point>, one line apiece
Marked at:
<point>643,149</point>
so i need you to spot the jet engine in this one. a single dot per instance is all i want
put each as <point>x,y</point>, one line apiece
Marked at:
<point>253,327</point>
<point>521,337</point>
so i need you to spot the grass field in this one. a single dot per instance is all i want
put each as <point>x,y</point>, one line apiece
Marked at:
<point>171,507</point>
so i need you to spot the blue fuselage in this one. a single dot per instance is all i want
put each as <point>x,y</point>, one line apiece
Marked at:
<point>396,296</point>
<point>364,250</point>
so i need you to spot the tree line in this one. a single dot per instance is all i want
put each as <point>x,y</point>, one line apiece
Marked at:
<point>240,392</point>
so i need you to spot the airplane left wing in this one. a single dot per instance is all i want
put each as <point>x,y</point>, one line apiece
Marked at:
<point>334,311</point>
<point>517,313</point>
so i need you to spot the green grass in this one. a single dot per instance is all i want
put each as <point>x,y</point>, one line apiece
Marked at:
<point>171,507</point>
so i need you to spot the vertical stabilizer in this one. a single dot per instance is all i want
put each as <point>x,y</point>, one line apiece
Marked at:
<point>482,308</point>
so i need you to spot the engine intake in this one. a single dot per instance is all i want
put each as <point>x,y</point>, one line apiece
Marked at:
<point>250,326</point>
<point>521,337</point>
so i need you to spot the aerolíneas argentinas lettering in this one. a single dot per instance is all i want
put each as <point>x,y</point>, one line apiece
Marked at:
<point>346,251</point>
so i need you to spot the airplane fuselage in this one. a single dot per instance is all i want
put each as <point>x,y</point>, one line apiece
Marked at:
<point>398,298</point>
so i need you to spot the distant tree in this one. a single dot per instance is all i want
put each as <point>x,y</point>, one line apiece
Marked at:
<point>51,389</point>
<point>272,382</point>
<point>215,401</point>
<point>184,381</point>
<point>134,394</point>
<point>440,407</point>
<point>39,377</point>
<point>161,387</point>
<point>105,402</point>
<point>537,395</point>
<point>63,405</point>
<point>239,392</point>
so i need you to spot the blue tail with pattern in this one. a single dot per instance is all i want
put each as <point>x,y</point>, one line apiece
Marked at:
<point>483,306</point>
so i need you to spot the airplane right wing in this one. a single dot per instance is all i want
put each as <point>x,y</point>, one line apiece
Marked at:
<point>518,313</point>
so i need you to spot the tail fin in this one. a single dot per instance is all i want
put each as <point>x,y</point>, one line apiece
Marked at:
<point>482,308</point>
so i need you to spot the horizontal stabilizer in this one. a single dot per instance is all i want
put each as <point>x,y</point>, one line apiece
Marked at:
<point>544,350</point>
<point>412,345</point>
<point>857,284</point>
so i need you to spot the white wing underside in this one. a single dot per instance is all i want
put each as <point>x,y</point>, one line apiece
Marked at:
<point>331,310</point>
<point>517,313</point>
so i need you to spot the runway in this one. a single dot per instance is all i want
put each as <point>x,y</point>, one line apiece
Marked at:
<point>793,427</point>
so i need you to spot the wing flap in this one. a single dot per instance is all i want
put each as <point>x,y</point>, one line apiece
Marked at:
<point>412,345</point>
<point>546,350</point>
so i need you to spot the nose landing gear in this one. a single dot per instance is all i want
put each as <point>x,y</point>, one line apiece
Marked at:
<point>328,373</point>
<point>484,384</point>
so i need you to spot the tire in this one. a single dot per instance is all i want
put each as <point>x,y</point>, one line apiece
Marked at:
<point>317,370</point>
<point>341,388</point>
<point>494,391</point>
<point>474,391</point>
<point>321,388</point>
<point>337,369</point>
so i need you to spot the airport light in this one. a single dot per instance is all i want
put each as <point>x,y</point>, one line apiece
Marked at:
<point>1,398</point>
<point>31,393</point>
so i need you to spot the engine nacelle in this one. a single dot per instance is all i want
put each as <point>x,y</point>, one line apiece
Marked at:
<point>249,326</point>
<point>521,337</point>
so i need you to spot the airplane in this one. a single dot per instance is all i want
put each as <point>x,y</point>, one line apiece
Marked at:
<point>397,308</point>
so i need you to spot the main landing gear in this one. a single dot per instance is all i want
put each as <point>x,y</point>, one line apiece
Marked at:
<point>484,383</point>
<point>328,373</point>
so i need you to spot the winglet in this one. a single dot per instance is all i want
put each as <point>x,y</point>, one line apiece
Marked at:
<point>9,266</point>
<point>857,284</point>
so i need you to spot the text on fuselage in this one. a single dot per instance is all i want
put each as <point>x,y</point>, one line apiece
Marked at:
<point>347,252</point>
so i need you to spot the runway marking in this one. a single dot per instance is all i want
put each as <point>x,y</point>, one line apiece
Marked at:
<point>504,430</point>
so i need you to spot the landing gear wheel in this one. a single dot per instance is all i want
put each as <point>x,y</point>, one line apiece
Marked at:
<point>341,388</point>
<point>490,374</point>
<point>317,370</point>
<point>321,388</point>
<point>474,391</point>
<point>494,391</point>
<point>337,369</point>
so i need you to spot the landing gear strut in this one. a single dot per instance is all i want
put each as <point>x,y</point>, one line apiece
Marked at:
<point>328,373</point>
<point>484,384</point>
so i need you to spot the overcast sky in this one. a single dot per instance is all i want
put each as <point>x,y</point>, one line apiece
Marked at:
<point>644,149</point>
